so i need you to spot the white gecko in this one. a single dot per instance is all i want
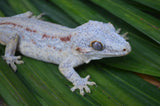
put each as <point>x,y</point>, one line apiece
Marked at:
<point>68,47</point>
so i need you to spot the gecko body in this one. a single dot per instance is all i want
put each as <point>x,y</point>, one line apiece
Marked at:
<point>68,47</point>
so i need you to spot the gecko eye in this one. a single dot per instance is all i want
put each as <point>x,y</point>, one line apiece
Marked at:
<point>96,45</point>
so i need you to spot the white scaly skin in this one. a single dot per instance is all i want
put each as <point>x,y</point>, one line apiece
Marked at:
<point>68,47</point>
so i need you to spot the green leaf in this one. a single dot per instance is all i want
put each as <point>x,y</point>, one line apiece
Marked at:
<point>47,83</point>
<point>150,3</point>
<point>139,20</point>
<point>78,11</point>
<point>12,89</point>
<point>123,87</point>
<point>54,13</point>
<point>21,6</point>
<point>1,14</point>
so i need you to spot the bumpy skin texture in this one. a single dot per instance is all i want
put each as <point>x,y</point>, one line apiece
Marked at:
<point>68,47</point>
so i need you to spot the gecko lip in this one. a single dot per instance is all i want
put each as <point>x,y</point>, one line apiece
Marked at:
<point>116,54</point>
<point>122,52</point>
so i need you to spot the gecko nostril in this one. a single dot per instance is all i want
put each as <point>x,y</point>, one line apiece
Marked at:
<point>124,49</point>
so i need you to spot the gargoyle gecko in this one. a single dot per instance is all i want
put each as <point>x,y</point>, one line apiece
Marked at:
<point>68,47</point>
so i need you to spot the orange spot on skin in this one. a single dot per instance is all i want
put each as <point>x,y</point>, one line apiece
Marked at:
<point>66,38</point>
<point>49,45</point>
<point>8,23</point>
<point>30,30</point>
<point>79,49</point>
<point>53,37</point>
<point>54,47</point>
<point>48,36</point>
<point>20,26</point>
<point>45,36</point>
<point>33,41</point>
<point>34,31</point>
<point>14,24</point>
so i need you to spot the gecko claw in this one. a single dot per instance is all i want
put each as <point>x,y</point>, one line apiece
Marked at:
<point>82,84</point>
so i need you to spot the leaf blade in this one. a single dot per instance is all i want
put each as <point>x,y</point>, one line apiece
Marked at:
<point>155,5</point>
<point>150,26</point>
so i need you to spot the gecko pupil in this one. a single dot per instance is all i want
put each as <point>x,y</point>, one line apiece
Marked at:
<point>97,45</point>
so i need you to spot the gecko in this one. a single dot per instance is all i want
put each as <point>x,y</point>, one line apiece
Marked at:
<point>57,44</point>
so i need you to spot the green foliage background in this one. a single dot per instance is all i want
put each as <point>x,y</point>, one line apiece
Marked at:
<point>39,83</point>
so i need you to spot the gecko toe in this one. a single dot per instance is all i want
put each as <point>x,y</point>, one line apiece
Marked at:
<point>87,89</point>
<point>14,67</point>
<point>87,78</point>
<point>73,89</point>
<point>19,62</point>
<point>91,83</point>
<point>17,57</point>
<point>82,92</point>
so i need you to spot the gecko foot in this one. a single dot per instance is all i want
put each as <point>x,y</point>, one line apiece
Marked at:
<point>81,84</point>
<point>39,16</point>
<point>11,60</point>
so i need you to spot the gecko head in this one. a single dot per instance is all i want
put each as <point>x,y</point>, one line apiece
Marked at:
<point>98,40</point>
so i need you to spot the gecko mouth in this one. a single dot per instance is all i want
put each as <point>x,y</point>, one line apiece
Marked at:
<point>122,52</point>
<point>109,54</point>
<point>117,53</point>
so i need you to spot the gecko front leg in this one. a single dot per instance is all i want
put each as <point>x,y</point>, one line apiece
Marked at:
<point>66,68</point>
<point>10,52</point>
